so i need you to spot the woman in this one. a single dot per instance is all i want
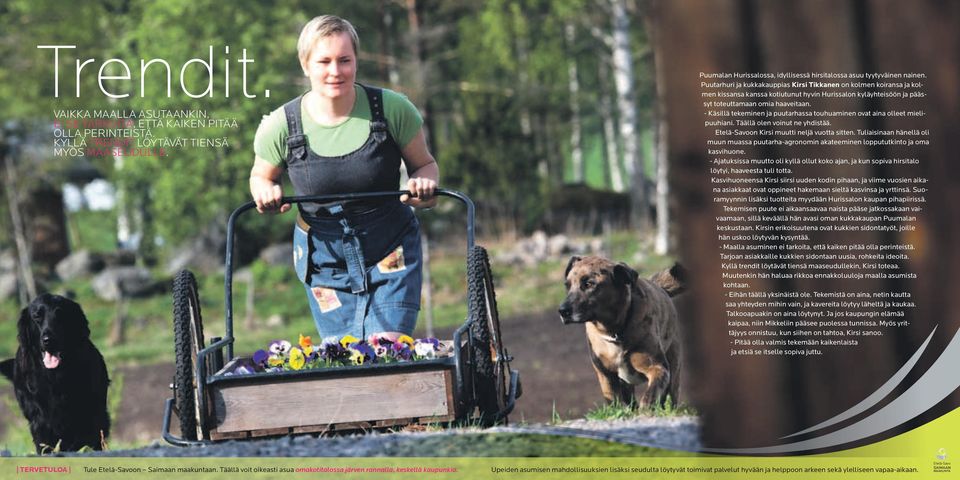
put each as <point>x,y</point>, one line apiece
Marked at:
<point>359,261</point>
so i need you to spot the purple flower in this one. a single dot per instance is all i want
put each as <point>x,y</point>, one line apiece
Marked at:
<point>369,355</point>
<point>401,351</point>
<point>260,358</point>
<point>382,346</point>
<point>333,352</point>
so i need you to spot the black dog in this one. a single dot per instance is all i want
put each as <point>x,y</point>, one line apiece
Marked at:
<point>59,377</point>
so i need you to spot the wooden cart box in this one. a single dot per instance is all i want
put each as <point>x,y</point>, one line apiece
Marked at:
<point>344,398</point>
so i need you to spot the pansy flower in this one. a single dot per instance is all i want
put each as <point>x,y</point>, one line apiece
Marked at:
<point>260,358</point>
<point>275,361</point>
<point>297,359</point>
<point>279,347</point>
<point>426,347</point>
<point>406,339</point>
<point>348,340</point>
<point>369,355</point>
<point>305,343</point>
<point>313,353</point>
<point>331,350</point>
<point>401,351</point>
<point>356,357</point>
<point>245,366</point>
<point>425,350</point>
<point>382,346</point>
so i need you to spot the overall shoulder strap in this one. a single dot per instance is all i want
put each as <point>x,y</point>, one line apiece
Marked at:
<point>296,141</point>
<point>375,97</point>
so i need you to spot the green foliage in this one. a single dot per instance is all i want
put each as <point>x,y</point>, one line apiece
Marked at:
<point>555,418</point>
<point>205,183</point>
<point>114,393</point>
<point>269,275</point>
<point>16,438</point>
<point>619,411</point>
<point>10,311</point>
<point>93,230</point>
<point>611,411</point>
<point>46,22</point>
<point>670,409</point>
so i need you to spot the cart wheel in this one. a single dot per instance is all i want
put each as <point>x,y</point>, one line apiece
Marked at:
<point>188,341</point>
<point>491,368</point>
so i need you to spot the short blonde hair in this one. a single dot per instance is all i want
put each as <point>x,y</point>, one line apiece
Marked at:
<point>324,26</point>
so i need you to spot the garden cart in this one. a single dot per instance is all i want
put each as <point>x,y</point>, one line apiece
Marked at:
<point>473,384</point>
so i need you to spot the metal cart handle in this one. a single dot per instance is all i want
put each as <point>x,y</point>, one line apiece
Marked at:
<point>231,224</point>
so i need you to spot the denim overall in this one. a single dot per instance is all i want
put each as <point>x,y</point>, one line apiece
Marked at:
<point>359,261</point>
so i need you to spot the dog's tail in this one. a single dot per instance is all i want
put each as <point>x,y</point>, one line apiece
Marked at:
<point>673,280</point>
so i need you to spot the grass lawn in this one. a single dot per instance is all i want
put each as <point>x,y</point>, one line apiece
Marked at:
<point>619,411</point>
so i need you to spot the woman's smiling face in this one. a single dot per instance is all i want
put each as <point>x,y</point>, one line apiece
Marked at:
<point>332,66</point>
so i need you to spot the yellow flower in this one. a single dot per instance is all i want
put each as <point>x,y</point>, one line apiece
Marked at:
<point>275,361</point>
<point>356,357</point>
<point>297,359</point>
<point>405,339</point>
<point>305,343</point>
<point>347,340</point>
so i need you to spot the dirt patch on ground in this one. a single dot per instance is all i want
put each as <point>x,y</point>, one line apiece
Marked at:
<point>553,361</point>
<point>139,419</point>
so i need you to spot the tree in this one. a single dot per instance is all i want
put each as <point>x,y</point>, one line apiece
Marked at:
<point>576,126</point>
<point>612,153</point>
<point>24,270</point>
<point>623,77</point>
<point>662,239</point>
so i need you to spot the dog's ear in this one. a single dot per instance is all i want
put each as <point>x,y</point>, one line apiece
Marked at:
<point>673,280</point>
<point>680,273</point>
<point>6,368</point>
<point>624,275</point>
<point>76,314</point>
<point>574,259</point>
<point>26,331</point>
<point>84,324</point>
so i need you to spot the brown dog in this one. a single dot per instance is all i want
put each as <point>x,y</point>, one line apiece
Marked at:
<point>631,325</point>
